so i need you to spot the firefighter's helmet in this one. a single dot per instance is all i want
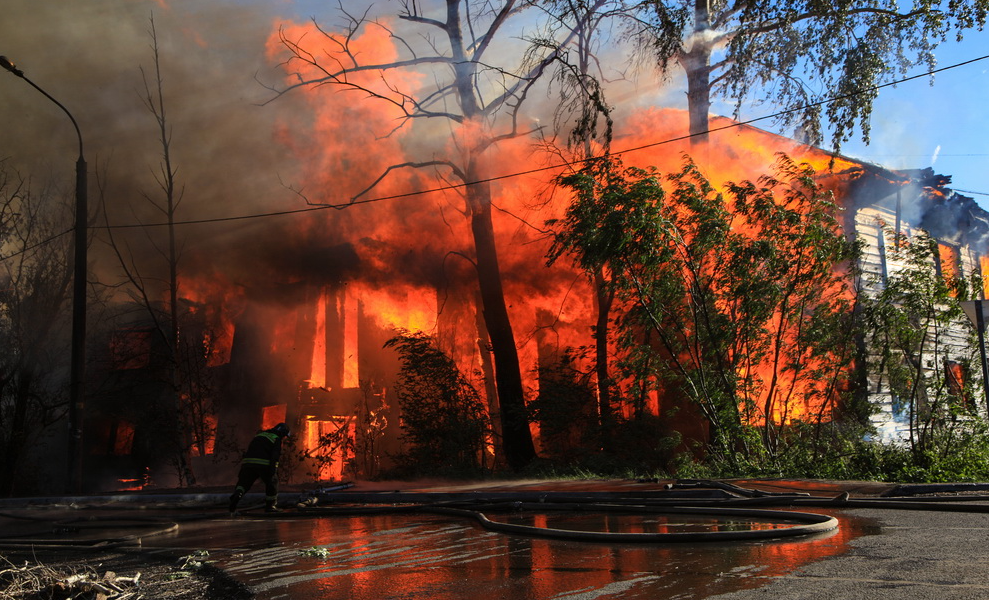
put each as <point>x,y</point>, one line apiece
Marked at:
<point>281,430</point>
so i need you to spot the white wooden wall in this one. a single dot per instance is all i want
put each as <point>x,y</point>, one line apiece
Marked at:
<point>892,425</point>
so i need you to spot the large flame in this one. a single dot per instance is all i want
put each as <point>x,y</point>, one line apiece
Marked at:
<point>341,281</point>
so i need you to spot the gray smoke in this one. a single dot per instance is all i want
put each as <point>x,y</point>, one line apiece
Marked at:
<point>90,57</point>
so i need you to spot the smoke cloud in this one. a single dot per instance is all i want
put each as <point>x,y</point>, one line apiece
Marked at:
<point>96,58</point>
<point>238,150</point>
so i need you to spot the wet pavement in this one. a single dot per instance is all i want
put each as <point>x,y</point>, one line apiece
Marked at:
<point>916,556</point>
<point>397,555</point>
<point>426,556</point>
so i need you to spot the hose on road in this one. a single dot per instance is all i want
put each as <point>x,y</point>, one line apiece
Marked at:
<point>732,514</point>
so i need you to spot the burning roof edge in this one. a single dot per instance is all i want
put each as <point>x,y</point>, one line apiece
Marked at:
<point>943,212</point>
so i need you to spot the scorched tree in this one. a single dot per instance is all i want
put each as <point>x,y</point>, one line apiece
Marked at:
<point>478,86</point>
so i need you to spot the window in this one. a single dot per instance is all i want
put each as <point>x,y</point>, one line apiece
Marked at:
<point>949,265</point>
<point>954,379</point>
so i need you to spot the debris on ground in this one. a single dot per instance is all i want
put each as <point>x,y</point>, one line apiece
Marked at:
<point>116,577</point>
<point>41,581</point>
<point>315,552</point>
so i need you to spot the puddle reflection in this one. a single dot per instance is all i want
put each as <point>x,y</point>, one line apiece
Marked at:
<point>649,523</point>
<point>417,556</point>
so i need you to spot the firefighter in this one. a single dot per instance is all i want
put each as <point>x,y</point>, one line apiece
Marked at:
<point>261,462</point>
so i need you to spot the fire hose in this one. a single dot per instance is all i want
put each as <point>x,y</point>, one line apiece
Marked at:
<point>146,527</point>
<point>732,504</point>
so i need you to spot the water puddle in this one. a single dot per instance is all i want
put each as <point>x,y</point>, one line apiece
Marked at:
<point>404,556</point>
<point>632,523</point>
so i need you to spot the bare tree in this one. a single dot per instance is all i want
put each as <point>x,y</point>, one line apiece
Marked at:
<point>481,97</point>
<point>34,290</point>
<point>189,400</point>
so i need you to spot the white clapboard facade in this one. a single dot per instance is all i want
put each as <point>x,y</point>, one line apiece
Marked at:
<point>906,202</point>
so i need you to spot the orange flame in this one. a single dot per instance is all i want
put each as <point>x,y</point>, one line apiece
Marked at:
<point>318,377</point>
<point>950,261</point>
<point>984,271</point>
<point>415,268</point>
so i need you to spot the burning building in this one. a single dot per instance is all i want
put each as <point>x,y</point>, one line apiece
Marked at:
<point>292,324</point>
<point>893,210</point>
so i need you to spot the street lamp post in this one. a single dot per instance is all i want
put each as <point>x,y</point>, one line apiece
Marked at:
<point>78,358</point>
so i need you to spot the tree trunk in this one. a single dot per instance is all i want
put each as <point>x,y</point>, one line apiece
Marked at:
<point>604,298</point>
<point>519,449</point>
<point>177,379</point>
<point>517,438</point>
<point>696,62</point>
<point>490,388</point>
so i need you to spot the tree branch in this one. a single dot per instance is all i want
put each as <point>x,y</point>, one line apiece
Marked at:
<point>411,165</point>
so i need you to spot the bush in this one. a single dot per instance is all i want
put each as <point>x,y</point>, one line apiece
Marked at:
<point>444,423</point>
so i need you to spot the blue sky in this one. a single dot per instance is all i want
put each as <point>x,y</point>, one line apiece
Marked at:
<point>945,126</point>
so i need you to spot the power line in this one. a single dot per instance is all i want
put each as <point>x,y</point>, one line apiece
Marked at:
<point>534,170</point>
<point>971,192</point>
<point>925,155</point>
<point>453,186</point>
<point>36,245</point>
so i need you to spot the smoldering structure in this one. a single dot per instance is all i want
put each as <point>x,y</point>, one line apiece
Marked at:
<point>294,317</point>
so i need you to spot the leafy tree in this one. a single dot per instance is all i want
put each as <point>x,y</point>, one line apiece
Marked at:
<point>564,410</point>
<point>723,300</point>
<point>444,423</point>
<point>795,54</point>
<point>908,324</point>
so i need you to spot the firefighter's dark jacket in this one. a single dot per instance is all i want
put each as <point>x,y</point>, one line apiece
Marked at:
<point>264,450</point>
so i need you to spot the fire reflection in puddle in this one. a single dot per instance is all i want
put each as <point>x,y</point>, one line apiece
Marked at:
<point>417,556</point>
<point>631,523</point>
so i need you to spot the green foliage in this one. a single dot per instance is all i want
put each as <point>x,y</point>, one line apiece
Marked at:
<point>195,561</point>
<point>565,410</point>
<point>644,444</point>
<point>803,55</point>
<point>641,447</point>
<point>733,301</point>
<point>574,440</point>
<point>965,457</point>
<point>847,455</point>
<point>908,323</point>
<point>444,423</point>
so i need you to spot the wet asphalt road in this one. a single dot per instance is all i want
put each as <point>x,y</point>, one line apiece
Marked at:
<point>917,555</point>
<point>425,556</point>
<point>875,553</point>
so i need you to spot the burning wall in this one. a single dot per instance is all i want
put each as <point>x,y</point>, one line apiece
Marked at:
<point>890,209</point>
<point>298,323</point>
<point>299,307</point>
